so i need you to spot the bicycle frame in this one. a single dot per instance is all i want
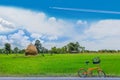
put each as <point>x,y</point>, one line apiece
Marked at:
<point>89,71</point>
<point>94,68</point>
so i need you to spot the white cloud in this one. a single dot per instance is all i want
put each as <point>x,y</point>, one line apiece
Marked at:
<point>52,20</point>
<point>104,28</point>
<point>52,38</point>
<point>3,40</point>
<point>105,43</point>
<point>48,45</point>
<point>6,25</point>
<point>36,22</point>
<point>17,39</point>
<point>36,36</point>
<point>104,34</point>
<point>80,22</point>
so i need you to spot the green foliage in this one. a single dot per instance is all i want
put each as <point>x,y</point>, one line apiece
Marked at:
<point>8,48</point>
<point>108,51</point>
<point>53,50</point>
<point>75,47</point>
<point>38,46</point>
<point>58,50</point>
<point>22,51</point>
<point>69,48</point>
<point>16,50</point>
<point>2,50</point>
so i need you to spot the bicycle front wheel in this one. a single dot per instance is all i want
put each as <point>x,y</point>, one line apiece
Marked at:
<point>82,73</point>
<point>101,73</point>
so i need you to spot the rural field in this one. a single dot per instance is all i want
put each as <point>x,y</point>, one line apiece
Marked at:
<point>56,64</point>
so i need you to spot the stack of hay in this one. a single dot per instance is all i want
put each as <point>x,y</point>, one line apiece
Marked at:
<point>31,50</point>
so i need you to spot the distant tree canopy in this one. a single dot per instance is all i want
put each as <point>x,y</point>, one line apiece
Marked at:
<point>7,48</point>
<point>74,47</point>
<point>40,48</point>
<point>69,48</point>
<point>16,50</point>
<point>2,50</point>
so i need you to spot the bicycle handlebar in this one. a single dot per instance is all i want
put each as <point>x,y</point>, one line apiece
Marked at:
<point>87,62</point>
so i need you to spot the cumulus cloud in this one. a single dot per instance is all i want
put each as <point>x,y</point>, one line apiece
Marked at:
<point>36,36</point>
<point>17,39</point>
<point>104,28</point>
<point>3,40</point>
<point>6,25</point>
<point>105,43</point>
<point>80,22</point>
<point>52,37</point>
<point>97,35</point>
<point>48,45</point>
<point>37,22</point>
<point>103,34</point>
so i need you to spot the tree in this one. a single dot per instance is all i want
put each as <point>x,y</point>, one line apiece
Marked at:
<point>16,50</point>
<point>7,48</point>
<point>53,50</point>
<point>70,47</point>
<point>75,47</point>
<point>22,51</point>
<point>39,46</point>
<point>44,50</point>
<point>83,49</point>
<point>2,51</point>
<point>64,49</point>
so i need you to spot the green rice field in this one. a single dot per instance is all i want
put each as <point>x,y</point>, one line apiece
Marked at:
<point>56,64</point>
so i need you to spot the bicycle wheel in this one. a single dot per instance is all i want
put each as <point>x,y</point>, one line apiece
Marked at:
<point>93,74</point>
<point>101,73</point>
<point>82,73</point>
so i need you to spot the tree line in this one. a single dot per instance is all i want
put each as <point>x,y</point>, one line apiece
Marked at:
<point>8,49</point>
<point>72,47</point>
<point>69,48</point>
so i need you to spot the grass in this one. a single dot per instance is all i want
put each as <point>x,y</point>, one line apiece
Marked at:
<point>56,65</point>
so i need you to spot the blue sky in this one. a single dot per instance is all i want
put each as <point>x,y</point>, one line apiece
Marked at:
<point>94,24</point>
<point>43,5</point>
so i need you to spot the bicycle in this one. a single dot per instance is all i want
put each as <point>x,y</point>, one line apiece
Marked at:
<point>82,72</point>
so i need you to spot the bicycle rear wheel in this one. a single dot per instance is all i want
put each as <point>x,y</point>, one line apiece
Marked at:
<point>101,73</point>
<point>82,73</point>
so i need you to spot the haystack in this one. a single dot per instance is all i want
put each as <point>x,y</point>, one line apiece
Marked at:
<point>31,50</point>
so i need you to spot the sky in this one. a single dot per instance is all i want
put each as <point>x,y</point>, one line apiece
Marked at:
<point>94,24</point>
